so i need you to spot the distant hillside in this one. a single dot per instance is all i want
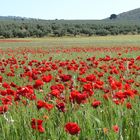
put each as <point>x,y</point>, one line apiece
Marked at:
<point>16,18</point>
<point>132,15</point>
<point>20,27</point>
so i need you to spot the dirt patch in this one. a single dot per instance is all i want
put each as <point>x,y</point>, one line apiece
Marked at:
<point>13,40</point>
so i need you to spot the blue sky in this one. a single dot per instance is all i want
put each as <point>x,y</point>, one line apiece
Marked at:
<point>66,9</point>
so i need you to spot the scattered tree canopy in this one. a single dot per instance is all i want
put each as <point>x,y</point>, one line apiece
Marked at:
<point>32,28</point>
<point>113,16</point>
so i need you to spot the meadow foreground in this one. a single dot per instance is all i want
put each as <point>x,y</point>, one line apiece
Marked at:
<point>70,93</point>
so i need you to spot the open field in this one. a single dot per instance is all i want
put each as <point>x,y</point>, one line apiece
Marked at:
<point>70,88</point>
<point>128,40</point>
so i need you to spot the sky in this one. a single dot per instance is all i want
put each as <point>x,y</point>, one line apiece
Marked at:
<point>66,9</point>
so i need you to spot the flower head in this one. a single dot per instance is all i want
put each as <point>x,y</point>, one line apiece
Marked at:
<point>72,128</point>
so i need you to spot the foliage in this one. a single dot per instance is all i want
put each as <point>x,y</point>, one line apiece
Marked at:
<point>70,93</point>
<point>40,28</point>
<point>113,16</point>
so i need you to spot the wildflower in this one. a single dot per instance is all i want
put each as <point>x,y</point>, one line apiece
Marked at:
<point>47,78</point>
<point>42,104</point>
<point>105,130</point>
<point>3,109</point>
<point>65,78</point>
<point>96,103</point>
<point>37,125</point>
<point>129,106</point>
<point>116,128</point>
<point>91,78</point>
<point>72,128</point>
<point>1,79</point>
<point>38,84</point>
<point>61,106</point>
<point>46,117</point>
<point>6,85</point>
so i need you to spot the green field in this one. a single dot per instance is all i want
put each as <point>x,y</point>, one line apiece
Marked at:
<point>83,88</point>
<point>121,40</point>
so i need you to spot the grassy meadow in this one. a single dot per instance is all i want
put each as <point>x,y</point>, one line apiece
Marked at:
<point>95,41</point>
<point>84,88</point>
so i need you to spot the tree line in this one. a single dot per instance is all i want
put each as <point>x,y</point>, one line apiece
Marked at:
<point>22,29</point>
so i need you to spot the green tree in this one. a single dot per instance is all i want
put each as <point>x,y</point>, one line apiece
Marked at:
<point>113,16</point>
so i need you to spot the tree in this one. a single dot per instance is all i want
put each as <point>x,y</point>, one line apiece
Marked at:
<point>87,31</point>
<point>60,32</point>
<point>102,32</point>
<point>113,16</point>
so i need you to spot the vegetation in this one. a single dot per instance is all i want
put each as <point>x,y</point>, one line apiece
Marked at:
<point>113,16</point>
<point>89,90</point>
<point>31,28</point>
<point>75,93</point>
<point>122,24</point>
<point>98,41</point>
<point>130,15</point>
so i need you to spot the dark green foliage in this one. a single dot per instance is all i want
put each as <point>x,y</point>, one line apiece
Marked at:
<point>102,32</point>
<point>113,16</point>
<point>21,28</point>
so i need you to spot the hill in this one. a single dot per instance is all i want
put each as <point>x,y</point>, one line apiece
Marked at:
<point>132,15</point>
<point>20,27</point>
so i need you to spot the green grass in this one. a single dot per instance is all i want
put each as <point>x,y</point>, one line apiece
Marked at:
<point>92,121</point>
<point>120,40</point>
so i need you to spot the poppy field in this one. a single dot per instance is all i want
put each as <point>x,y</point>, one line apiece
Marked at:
<point>70,93</point>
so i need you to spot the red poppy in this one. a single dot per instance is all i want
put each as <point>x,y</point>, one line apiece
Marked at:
<point>42,104</point>
<point>55,92</point>
<point>106,96</point>
<point>116,128</point>
<point>61,106</point>
<point>73,95</point>
<point>10,92</point>
<point>27,92</point>
<point>96,103</point>
<point>7,100</point>
<point>118,102</point>
<point>48,106</point>
<point>129,106</point>
<point>5,85</point>
<point>65,77</point>
<point>120,95</point>
<point>12,84</point>
<point>47,78</point>
<point>72,128</point>
<point>3,109</point>
<point>60,87</point>
<point>87,87</point>
<point>138,58</point>
<point>81,97</point>
<point>37,125</point>
<point>38,84</point>
<point>3,92</point>
<point>1,79</point>
<point>129,93</point>
<point>91,78</point>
